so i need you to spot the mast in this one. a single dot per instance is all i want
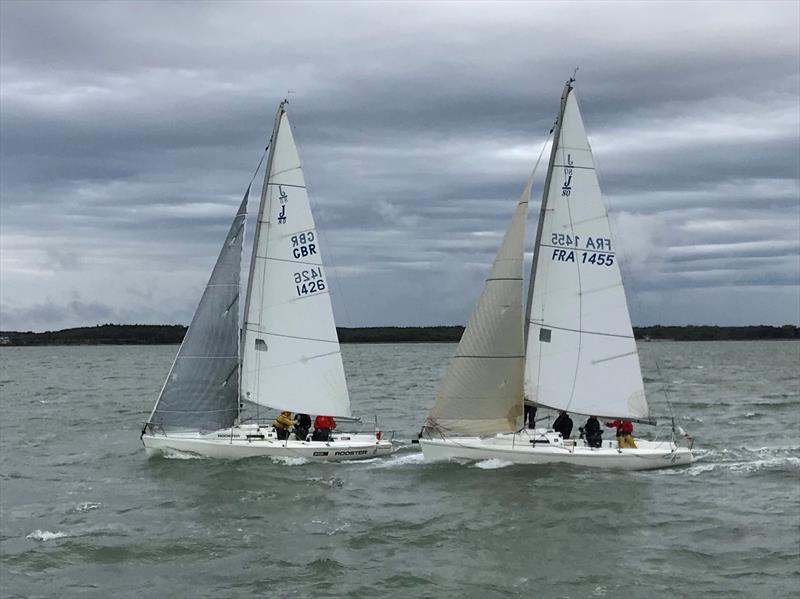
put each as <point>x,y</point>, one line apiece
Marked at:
<point>262,205</point>
<point>543,208</point>
<point>256,237</point>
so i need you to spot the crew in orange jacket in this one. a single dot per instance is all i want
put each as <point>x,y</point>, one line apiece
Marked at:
<point>624,433</point>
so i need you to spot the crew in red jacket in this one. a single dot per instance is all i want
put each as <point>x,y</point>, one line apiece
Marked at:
<point>323,425</point>
<point>624,433</point>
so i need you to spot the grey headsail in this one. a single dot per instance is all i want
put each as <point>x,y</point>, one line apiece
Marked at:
<point>201,392</point>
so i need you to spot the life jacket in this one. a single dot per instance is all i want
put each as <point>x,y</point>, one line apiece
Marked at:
<point>624,427</point>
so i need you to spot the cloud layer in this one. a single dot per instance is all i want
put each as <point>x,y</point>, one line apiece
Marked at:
<point>129,131</point>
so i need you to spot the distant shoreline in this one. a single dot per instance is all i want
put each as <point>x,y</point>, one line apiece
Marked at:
<point>116,334</point>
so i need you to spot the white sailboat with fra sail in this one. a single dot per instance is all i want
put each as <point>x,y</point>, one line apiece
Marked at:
<point>286,356</point>
<point>571,349</point>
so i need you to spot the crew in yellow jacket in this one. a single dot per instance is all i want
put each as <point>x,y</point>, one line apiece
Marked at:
<point>282,424</point>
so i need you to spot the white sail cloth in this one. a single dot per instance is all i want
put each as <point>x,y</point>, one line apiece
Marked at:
<point>481,392</point>
<point>290,350</point>
<point>581,353</point>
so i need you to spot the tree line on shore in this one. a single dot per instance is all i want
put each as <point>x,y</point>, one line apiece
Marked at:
<point>137,334</point>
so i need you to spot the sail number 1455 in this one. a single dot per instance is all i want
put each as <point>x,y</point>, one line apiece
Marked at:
<point>598,258</point>
<point>590,243</point>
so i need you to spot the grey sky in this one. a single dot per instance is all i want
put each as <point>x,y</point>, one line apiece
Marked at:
<point>129,131</point>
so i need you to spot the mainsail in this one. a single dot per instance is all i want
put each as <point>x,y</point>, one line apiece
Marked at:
<point>290,350</point>
<point>581,353</point>
<point>482,390</point>
<point>201,392</point>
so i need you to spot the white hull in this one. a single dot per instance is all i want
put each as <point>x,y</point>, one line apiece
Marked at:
<point>250,440</point>
<point>519,448</point>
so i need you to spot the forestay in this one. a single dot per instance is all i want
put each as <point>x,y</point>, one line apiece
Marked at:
<point>290,351</point>
<point>481,392</point>
<point>201,392</point>
<point>581,353</point>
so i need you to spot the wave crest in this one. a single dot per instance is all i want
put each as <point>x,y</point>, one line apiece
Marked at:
<point>45,535</point>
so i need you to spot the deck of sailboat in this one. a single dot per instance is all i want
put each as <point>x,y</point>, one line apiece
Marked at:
<point>544,446</point>
<point>249,441</point>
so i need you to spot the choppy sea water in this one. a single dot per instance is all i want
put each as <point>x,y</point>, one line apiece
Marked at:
<point>84,513</point>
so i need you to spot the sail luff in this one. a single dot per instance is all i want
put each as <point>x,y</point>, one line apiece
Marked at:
<point>543,208</point>
<point>262,208</point>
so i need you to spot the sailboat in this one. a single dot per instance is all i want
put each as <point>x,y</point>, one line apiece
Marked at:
<point>286,355</point>
<point>571,349</point>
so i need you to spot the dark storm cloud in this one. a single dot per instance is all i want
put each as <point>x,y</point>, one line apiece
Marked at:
<point>130,130</point>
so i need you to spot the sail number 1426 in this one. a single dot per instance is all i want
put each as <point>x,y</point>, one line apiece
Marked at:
<point>309,281</point>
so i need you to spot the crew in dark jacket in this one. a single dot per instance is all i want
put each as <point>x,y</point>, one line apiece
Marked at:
<point>563,424</point>
<point>302,427</point>
<point>530,416</point>
<point>592,432</point>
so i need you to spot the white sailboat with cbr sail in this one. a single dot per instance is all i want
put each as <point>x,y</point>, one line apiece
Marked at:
<point>286,356</point>
<point>575,351</point>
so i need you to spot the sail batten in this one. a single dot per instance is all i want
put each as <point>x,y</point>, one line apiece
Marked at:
<point>255,330</point>
<point>290,349</point>
<point>582,331</point>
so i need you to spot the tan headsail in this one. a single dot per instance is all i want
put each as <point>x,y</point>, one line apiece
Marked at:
<point>481,392</point>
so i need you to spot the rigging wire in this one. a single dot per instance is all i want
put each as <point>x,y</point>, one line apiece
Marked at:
<point>260,162</point>
<point>541,153</point>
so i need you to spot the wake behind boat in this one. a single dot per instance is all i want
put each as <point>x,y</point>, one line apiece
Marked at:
<point>574,352</point>
<point>286,356</point>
